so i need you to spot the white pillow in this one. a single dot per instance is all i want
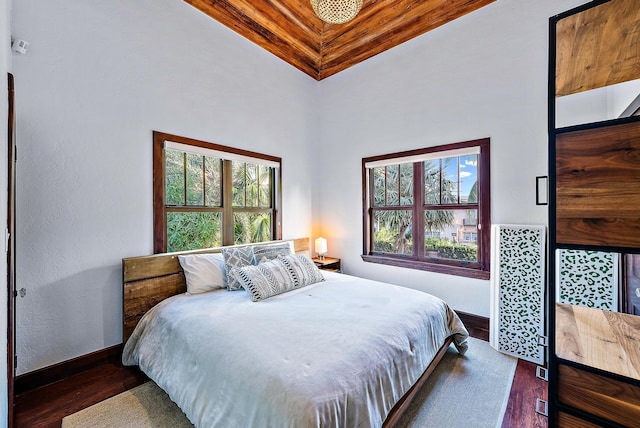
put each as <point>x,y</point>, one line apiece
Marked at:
<point>203,272</point>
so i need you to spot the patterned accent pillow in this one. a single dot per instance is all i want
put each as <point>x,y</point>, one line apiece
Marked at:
<point>236,257</point>
<point>302,269</point>
<point>277,276</point>
<point>265,252</point>
<point>264,280</point>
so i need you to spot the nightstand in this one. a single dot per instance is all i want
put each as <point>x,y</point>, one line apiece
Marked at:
<point>328,263</point>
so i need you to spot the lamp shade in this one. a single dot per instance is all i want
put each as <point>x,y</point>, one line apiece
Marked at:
<point>321,246</point>
<point>336,11</point>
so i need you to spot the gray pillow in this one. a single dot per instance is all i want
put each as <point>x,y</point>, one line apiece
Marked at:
<point>236,257</point>
<point>265,252</point>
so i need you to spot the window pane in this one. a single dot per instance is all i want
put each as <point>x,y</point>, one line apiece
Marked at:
<point>252,227</point>
<point>469,179</point>
<point>174,177</point>
<point>378,186</point>
<point>239,180</point>
<point>193,230</point>
<point>195,179</point>
<point>213,181</point>
<point>451,234</point>
<point>392,232</point>
<point>251,183</point>
<point>393,184</point>
<point>265,186</point>
<point>406,184</point>
<point>432,182</point>
<point>449,185</point>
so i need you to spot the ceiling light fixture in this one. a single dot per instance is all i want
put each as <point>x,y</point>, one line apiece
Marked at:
<point>336,11</point>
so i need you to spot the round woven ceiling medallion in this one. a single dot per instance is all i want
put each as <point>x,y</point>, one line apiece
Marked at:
<point>336,11</point>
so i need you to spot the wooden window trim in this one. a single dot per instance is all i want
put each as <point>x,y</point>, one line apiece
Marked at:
<point>484,215</point>
<point>159,211</point>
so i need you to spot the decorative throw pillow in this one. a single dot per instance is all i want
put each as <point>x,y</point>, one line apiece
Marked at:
<point>203,272</point>
<point>236,257</point>
<point>265,252</point>
<point>302,269</point>
<point>264,280</point>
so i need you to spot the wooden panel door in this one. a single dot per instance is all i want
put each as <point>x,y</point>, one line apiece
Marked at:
<point>598,47</point>
<point>632,284</point>
<point>598,186</point>
<point>605,397</point>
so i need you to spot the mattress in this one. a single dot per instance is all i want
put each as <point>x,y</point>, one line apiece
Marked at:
<point>338,353</point>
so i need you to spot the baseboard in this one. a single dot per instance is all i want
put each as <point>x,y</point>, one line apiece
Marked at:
<point>477,326</point>
<point>47,375</point>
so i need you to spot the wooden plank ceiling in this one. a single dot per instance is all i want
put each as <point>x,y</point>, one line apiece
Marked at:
<point>290,30</point>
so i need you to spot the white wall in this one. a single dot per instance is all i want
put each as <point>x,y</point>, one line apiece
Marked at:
<point>5,67</point>
<point>483,75</point>
<point>99,77</point>
<point>620,96</point>
<point>608,102</point>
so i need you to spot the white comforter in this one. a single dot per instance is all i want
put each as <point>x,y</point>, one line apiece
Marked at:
<point>339,353</point>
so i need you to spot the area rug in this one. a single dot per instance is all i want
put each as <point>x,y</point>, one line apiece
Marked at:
<point>463,391</point>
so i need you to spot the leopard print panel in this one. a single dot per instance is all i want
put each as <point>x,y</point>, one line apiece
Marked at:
<point>521,281</point>
<point>588,278</point>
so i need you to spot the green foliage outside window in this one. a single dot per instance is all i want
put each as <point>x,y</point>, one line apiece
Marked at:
<point>193,195</point>
<point>446,249</point>
<point>252,227</point>
<point>193,230</point>
<point>251,185</point>
<point>386,241</point>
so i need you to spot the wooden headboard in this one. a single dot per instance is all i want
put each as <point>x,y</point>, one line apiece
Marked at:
<point>148,280</point>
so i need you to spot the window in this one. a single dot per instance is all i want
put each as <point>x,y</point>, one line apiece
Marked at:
<point>429,209</point>
<point>207,195</point>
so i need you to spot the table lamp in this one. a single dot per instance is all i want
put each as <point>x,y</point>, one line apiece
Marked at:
<point>321,247</point>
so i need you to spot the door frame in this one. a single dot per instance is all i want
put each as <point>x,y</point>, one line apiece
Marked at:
<point>10,240</point>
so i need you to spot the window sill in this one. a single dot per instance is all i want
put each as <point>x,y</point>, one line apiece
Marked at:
<point>426,266</point>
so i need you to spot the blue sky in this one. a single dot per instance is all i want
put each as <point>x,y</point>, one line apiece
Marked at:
<point>468,173</point>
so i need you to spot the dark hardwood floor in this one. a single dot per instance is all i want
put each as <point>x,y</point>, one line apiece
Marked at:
<point>45,407</point>
<point>525,390</point>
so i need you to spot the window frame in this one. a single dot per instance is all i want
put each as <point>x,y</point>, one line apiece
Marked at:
<point>419,260</point>
<point>160,208</point>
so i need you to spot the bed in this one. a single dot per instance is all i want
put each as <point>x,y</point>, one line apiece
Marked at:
<point>338,352</point>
